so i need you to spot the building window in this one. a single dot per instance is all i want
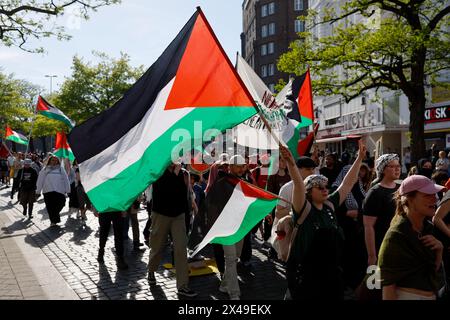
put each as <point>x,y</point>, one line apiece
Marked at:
<point>298,5</point>
<point>264,49</point>
<point>270,48</point>
<point>264,31</point>
<point>271,70</point>
<point>299,26</point>
<point>271,8</point>
<point>272,87</point>
<point>263,71</point>
<point>264,11</point>
<point>271,29</point>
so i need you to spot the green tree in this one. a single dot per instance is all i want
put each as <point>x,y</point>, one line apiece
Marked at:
<point>407,43</point>
<point>15,100</point>
<point>22,20</point>
<point>93,88</point>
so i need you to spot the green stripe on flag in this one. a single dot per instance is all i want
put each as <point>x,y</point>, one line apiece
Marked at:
<point>17,139</point>
<point>255,213</point>
<point>57,117</point>
<point>119,192</point>
<point>64,153</point>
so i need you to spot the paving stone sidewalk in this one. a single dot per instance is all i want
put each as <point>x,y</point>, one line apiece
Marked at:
<point>71,250</point>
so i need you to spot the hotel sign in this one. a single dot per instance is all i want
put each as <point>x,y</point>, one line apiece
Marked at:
<point>364,119</point>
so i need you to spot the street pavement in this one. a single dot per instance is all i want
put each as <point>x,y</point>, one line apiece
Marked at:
<point>42,262</point>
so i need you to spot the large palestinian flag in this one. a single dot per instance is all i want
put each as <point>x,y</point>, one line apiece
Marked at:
<point>62,148</point>
<point>46,109</point>
<point>239,206</point>
<point>127,147</point>
<point>15,136</point>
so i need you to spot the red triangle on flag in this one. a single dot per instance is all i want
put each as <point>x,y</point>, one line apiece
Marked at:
<point>305,99</point>
<point>304,146</point>
<point>205,76</point>
<point>42,105</point>
<point>61,141</point>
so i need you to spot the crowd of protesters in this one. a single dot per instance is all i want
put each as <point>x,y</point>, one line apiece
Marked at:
<point>338,216</point>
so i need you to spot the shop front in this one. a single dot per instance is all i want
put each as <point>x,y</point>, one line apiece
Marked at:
<point>437,126</point>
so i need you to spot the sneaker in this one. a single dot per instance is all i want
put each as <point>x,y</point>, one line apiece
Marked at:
<point>151,278</point>
<point>30,217</point>
<point>185,291</point>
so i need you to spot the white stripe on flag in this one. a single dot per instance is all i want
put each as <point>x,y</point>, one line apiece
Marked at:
<point>130,148</point>
<point>230,219</point>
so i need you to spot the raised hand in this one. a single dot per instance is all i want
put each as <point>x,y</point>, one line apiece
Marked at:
<point>286,155</point>
<point>362,149</point>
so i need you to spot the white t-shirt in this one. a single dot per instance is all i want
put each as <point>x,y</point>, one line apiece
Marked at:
<point>286,193</point>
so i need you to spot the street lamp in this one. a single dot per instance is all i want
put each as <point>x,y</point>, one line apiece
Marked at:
<point>51,78</point>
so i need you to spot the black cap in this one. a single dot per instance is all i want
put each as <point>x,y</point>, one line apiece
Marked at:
<point>306,162</point>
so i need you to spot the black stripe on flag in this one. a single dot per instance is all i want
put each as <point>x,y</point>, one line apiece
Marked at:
<point>98,133</point>
<point>297,84</point>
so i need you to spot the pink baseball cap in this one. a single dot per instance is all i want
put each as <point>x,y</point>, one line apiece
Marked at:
<point>419,183</point>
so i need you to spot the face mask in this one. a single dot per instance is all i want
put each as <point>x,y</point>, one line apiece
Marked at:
<point>426,172</point>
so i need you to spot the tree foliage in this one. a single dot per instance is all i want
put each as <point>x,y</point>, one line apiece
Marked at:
<point>22,20</point>
<point>93,88</point>
<point>398,44</point>
<point>16,97</point>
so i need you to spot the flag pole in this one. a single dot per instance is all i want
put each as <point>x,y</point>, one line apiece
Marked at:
<point>32,124</point>
<point>266,123</point>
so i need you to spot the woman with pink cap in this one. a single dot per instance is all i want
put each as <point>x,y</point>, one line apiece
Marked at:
<point>410,256</point>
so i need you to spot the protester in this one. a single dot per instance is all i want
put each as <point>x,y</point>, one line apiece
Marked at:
<point>28,179</point>
<point>442,164</point>
<point>410,256</point>
<point>441,221</point>
<point>314,266</point>
<point>350,218</point>
<point>379,205</point>
<point>105,220</point>
<point>229,283</point>
<point>54,184</point>
<point>132,215</point>
<point>332,168</point>
<point>425,168</point>
<point>170,205</point>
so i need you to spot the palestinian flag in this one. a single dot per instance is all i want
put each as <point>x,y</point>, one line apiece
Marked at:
<point>304,146</point>
<point>299,93</point>
<point>15,136</point>
<point>239,207</point>
<point>62,148</point>
<point>46,109</point>
<point>190,89</point>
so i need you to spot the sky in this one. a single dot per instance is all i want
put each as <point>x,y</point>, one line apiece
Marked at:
<point>140,28</point>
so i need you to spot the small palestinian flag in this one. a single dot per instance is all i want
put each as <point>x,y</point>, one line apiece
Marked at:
<point>239,207</point>
<point>46,109</point>
<point>15,136</point>
<point>192,88</point>
<point>62,148</point>
<point>304,146</point>
<point>301,95</point>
